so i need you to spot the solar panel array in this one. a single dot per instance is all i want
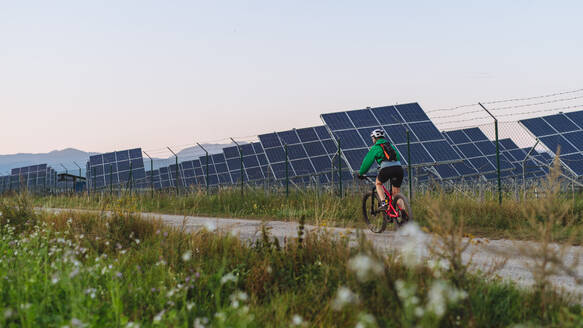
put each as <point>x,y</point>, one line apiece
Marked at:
<point>310,151</point>
<point>254,162</point>
<point>33,178</point>
<point>516,155</point>
<point>191,173</point>
<point>116,169</point>
<point>352,129</point>
<point>478,152</point>
<point>564,131</point>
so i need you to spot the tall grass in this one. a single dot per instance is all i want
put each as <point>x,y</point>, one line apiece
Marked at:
<point>118,270</point>
<point>483,216</point>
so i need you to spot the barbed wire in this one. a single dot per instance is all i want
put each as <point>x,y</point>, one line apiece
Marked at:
<point>536,104</point>
<point>506,100</point>
<point>542,110</point>
<point>458,114</point>
<point>535,97</point>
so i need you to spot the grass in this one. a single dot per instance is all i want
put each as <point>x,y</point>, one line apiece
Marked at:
<point>80,269</point>
<point>483,216</point>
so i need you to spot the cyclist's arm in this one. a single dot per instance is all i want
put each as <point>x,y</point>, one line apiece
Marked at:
<point>368,161</point>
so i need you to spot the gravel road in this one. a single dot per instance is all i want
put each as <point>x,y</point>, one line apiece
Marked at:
<point>483,254</point>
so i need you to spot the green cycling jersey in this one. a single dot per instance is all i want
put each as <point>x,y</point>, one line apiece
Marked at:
<point>377,154</point>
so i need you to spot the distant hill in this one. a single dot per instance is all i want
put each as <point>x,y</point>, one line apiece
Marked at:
<point>53,158</point>
<point>69,155</point>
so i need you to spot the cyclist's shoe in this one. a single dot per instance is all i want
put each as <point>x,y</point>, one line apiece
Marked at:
<point>384,205</point>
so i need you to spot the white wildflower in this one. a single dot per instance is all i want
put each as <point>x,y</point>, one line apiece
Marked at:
<point>228,277</point>
<point>407,293</point>
<point>158,317</point>
<point>77,323</point>
<point>344,296</point>
<point>55,279</point>
<point>366,320</point>
<point>137,241</point>
<point>297,320</point>
<point>238,297</point>
<point>69,220</point>
<point>365,267</point>
<point>74,273</point>
<point>201,322</point>
<point>414,245</point>
<point>440,295</point>
<point>220,316</point>
<point>210,226</point>
<point>437,266</point>
<point>189,306</point>
<point>187,256</point>
<point>8,313</point>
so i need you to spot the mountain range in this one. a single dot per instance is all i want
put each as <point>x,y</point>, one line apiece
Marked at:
<point>69,156</point>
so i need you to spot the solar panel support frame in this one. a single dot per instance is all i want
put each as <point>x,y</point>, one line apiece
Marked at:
<point>339,168</point>
<point>524,168</point>
<point>241,168</point>
<point>151,174</point>
<point>286,171</point>
<point>409,165</point>
<point>207,167</point>
<point>177,172</point>
<point>497,153</point>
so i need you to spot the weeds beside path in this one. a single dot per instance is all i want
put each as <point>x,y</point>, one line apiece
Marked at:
<point>483,217</point>
<point>120,270</point>
<point>483,252</point>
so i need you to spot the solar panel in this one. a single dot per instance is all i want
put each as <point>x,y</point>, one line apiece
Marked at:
<point>479,153</point>
<point>221,169</point>
<point>116,168</point>
<point>565,133</point>
<point>538,126</point>
<point>310,152</point>
<point>427,144</point>
<point>561,123</point>
<point>33,177</point>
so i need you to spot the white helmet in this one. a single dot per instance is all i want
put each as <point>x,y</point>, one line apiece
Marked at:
<point>377,133</point>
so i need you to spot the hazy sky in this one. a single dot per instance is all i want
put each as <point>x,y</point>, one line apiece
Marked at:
<point>104,75</point>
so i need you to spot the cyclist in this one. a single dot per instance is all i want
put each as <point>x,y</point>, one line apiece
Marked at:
<point>389,161</point>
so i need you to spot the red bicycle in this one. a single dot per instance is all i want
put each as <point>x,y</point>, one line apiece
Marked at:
<point>377,218</point>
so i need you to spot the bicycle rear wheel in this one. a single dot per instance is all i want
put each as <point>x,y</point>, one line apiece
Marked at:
<point>405,213</point>
<point>374,218</point>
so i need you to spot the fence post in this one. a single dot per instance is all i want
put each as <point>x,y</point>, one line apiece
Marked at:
<point>340,193</point>
<point>177,172</point>
<point>241,167</point>
<point>286,171</point>
<point>497,154</point>
<point>151,173</point>
<point>524,168</point>
<point>111,180</point>
<point>409,173</point>
<point>207,168</point>
<point>130,179</point>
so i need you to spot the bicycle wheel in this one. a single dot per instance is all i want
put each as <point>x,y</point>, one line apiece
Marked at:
<point>374,218</point>
<point>405,214</point>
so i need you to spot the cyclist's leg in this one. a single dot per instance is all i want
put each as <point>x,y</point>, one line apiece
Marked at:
<point>380,191</point>
<point>381,179</point>
<point>396,181</point>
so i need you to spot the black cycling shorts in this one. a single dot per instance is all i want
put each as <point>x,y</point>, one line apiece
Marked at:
<point>395,173</point>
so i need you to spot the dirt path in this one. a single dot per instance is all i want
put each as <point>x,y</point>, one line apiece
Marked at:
<point>483,254</point>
